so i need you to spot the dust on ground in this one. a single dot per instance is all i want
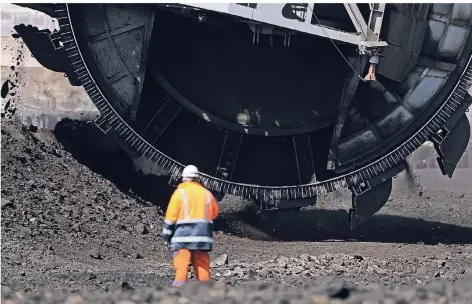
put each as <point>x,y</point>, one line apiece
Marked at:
<point>66,227</point>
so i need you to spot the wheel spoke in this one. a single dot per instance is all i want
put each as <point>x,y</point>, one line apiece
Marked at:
<point>349,90</point>
<point>304,158</point>
<point>138,88</point>
<point>116,32</point>
<point>229,155</point>
<point>161,120</point>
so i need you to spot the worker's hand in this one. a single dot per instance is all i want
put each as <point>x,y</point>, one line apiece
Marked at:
<point>166,238</point>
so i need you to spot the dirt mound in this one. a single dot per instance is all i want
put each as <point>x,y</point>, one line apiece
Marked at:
<point>54,208</point>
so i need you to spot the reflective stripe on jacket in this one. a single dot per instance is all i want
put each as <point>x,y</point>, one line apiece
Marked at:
<point>189,217</point>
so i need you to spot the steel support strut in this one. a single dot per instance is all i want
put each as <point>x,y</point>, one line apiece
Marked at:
<point>304,158</point>
<point>357,19</point>
<point>373,34</point>
<point>377,11</point>
<point>369,32</point>
<point>229,155</point>
<point>148,26</point>
<point>349,90</point>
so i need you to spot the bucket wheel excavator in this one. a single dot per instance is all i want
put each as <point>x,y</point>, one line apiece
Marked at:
<point>277,103</point>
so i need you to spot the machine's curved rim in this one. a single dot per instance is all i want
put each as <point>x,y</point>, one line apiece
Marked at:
<point>112,121</point>
<point>169,88</point>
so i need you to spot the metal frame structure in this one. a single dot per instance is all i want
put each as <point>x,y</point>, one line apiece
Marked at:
<point>444,124</point>
<point>357,19</point>
<point>366,38</point>
<point>110,120</point>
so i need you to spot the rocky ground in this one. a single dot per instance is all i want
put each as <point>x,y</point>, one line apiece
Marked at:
<point>66,228</point>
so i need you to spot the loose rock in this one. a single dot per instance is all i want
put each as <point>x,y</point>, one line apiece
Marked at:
<point>220,261</point>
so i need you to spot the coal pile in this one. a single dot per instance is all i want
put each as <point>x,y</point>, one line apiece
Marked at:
<point>72,235</point>
<point>54,208</point>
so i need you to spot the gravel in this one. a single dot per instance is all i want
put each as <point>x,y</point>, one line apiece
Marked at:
<point>70,235</point>
<point>256,292</point>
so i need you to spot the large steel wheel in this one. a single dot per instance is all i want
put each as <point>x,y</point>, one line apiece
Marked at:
<point>257,119</point>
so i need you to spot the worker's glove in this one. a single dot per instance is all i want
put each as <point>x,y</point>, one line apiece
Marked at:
<point>166,238</point>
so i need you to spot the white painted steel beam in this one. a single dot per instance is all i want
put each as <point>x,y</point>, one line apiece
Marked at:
<point>375,21</point>
<point>356,18</point>
<point>271,13</point>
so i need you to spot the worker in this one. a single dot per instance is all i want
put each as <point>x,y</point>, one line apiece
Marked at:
<point>188,227</point>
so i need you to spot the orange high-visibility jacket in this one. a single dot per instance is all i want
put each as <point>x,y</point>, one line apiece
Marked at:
<point>189,218</point>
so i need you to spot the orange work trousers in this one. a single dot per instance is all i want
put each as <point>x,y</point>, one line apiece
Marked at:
<point>200,262</point>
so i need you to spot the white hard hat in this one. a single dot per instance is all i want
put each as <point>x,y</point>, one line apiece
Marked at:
<point>190,171</point>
